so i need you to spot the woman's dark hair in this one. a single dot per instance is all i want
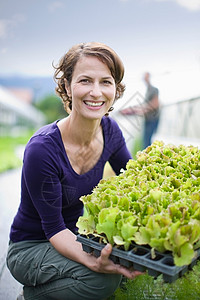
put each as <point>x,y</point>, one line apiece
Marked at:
<point>67,63</point>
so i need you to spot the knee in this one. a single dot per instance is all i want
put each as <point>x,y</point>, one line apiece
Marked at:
<point>106,285</point>
<point>112,282</point>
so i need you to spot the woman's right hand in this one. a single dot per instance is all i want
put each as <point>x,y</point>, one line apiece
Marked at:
<point>103,264</point>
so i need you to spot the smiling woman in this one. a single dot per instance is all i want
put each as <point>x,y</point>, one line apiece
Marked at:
<point>104,53</point>
<point>92,88</point>
<point>62,162</point>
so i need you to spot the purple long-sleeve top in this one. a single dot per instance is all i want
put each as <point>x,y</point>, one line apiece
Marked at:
<point>51,189</point>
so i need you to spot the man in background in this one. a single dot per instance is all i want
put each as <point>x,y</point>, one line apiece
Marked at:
<point>149,109</point>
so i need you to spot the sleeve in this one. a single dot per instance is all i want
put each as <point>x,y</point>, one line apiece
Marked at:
<point>41,175</point>
<point>154,92</point>
<point>120,154</point>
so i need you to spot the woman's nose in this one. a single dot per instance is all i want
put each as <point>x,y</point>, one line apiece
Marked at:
<point>96,90</point>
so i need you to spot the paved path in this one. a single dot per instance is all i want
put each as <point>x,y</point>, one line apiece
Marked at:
<point>9,201</point>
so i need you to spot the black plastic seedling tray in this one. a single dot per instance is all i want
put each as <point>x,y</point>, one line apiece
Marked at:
<point>139,257</point>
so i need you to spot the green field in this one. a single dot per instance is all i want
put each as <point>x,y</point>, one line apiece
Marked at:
<point>8,151</point>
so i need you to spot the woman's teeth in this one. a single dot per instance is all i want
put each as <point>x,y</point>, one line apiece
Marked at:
<point>94,104</point>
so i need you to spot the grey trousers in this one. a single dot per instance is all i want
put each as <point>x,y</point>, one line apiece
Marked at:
<point>47,275</point>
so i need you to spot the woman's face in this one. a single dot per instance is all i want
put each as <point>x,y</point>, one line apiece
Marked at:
<point>92,88</point>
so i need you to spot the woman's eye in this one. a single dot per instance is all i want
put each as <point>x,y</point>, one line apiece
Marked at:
<point>107,82</point>
<point>85,80</point>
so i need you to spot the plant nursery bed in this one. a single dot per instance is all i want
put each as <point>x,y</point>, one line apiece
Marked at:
<point>140,258</point>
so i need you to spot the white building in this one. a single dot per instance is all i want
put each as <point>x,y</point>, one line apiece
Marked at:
<point>16,115</point>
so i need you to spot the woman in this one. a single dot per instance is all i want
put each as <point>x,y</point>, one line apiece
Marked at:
<point>63,161</point>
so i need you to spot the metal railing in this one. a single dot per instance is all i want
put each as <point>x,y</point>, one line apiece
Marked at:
<point>180,121</point>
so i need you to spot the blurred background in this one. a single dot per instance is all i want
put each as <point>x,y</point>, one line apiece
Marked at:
<point>159,36</point>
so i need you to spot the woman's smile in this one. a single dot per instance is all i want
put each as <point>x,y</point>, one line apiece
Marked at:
<point>94,104</point>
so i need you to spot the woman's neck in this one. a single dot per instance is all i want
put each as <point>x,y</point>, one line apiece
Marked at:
<point>79,131</point>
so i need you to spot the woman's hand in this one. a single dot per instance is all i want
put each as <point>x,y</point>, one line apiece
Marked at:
<point>66,244</point>
<point>106,265</point>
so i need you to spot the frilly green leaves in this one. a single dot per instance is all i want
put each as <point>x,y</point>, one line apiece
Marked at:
<point>155,201</point>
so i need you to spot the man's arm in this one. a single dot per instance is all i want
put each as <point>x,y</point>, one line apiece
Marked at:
<point>142,109</point>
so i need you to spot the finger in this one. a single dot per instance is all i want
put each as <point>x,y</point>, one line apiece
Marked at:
<point>131,274</point>
<point>134,274</point>
<point>106,251</point>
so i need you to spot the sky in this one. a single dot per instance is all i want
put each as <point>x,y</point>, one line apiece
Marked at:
<point>159,36</point>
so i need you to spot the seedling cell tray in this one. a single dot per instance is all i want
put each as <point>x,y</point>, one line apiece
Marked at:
<point>139,257</point>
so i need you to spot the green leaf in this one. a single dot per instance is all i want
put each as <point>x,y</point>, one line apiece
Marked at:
<point>185,255</point>
<point>86,225</point>
<point>179,239</point>
<point>142,237</point>
<point>124,203</point>
<point>128,231</point>
<point>107,224</point>
<point>158,244</point>
<point>118,240</point>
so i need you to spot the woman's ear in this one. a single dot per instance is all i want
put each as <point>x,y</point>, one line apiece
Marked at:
<point>67,87</point>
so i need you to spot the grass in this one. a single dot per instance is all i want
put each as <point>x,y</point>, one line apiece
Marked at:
<point>145,287</point>
<point>8,146</point>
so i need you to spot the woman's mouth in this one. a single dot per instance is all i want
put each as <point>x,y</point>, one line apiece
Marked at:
<point>94,103</point>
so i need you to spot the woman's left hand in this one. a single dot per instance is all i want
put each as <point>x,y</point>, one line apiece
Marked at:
<point>106,265</point>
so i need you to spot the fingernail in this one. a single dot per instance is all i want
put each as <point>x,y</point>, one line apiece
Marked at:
<point>107,247</point>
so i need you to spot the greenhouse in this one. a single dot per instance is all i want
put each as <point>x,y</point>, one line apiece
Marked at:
<point>16,115</point>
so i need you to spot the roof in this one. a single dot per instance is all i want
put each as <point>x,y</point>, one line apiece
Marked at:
<point>26,110</point>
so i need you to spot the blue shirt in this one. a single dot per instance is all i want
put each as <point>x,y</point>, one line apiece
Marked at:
<point>51,189</point>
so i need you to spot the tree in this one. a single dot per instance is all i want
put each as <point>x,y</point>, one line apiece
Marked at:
<point>52,107</point>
